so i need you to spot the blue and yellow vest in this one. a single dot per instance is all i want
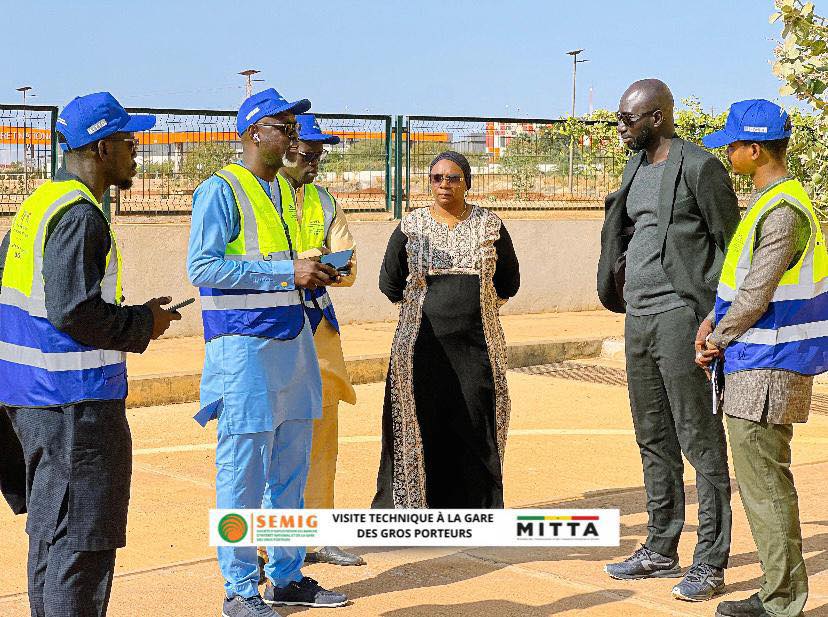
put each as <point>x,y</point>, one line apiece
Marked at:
<point>40,366</point>
<point>318,212</point>
<point>792,334</point>
<point>263,235</point>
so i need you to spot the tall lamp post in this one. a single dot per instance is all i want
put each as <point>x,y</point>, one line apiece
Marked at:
<point>574,53</point>
<point>248,86</point>
<point>23,90</point>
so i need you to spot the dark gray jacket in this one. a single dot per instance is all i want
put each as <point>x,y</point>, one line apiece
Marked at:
<point>697,214</point>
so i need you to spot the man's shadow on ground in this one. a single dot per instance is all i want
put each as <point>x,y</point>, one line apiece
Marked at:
<point>469,563</point>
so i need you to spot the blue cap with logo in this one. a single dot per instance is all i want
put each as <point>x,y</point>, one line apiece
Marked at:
<point>753,120</point>
<point>266,103</point>
<point>309,130</point>
<point>92,117</point>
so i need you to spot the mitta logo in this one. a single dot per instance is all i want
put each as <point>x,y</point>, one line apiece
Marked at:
<point>232,528</point>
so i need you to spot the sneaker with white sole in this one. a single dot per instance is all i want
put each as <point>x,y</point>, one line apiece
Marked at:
<point>700,583</point>
<point>247,607</point>
<point>644,563</point>
<point>306,592</point>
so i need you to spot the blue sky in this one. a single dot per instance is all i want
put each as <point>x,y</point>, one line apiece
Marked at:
<point>447,57</point>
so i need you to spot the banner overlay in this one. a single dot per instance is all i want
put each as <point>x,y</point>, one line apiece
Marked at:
<point>518,527</point>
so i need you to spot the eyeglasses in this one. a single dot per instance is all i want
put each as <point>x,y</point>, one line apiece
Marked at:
<point>630,119</point>
<point>288,128</point>
<point>131,141</point>
<point>311,157</point>
<point>451,179</point>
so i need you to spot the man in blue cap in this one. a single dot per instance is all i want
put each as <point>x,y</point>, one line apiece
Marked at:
<point>63,332</point>
<point>261,377</point>
<point>770,335</point>
<point>322,229</point>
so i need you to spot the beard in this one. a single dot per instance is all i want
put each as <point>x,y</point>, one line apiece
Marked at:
<point>644,139</point>
<point>125,185</point>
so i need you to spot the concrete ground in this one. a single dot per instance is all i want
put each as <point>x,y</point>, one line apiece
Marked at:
<point>571,445</point>
<point>364,339</point>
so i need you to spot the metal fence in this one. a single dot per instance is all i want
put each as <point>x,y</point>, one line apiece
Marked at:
<point>380,166</point>
<point>187,146</point>
<point>27,151</point>
<point>517,164</point>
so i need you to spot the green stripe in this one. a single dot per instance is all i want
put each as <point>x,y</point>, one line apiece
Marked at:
<point>531,518</point>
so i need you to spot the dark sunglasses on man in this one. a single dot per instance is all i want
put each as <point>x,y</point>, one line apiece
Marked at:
<point>312,157</point>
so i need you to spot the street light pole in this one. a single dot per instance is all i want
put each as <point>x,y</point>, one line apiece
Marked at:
<point>574,53</point>
<point>248,87</point>
<point>23,90</point>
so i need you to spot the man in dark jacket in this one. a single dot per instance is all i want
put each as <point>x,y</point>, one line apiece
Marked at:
<point>662,247</point>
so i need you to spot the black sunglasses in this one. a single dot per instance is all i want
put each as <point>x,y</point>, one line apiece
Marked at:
<point>311,157</point>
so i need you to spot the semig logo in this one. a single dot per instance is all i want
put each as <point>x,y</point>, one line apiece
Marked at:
<point>232,528</point>
<point>557,527</point>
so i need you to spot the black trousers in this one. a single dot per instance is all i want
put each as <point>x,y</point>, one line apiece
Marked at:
<point>78,469</point>
<point>672,413</point>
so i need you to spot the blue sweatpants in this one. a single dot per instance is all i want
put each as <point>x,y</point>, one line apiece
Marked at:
<point>262,470</point>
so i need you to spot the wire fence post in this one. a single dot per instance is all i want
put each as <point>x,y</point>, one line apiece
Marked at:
<point>407,164</point>
<point>398,185</point>
<point>388,201</point>
<point>53,145</point>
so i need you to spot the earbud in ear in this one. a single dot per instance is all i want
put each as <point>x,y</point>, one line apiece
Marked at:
<point>256,138</point>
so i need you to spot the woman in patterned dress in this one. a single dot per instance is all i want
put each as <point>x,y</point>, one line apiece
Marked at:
<point>450,266</point>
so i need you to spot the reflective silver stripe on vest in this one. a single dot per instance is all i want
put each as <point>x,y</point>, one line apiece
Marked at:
<point>37,299</point>
<point>786,334</point>
<point>323,301</point>
<point>64,361</point>
<point>251,231</point>
<point>803,291</point>
<point>13,297</point>
<point>250,301</point>
<point>328,207</point>
<point>109,283</point>
<point>274,256</point>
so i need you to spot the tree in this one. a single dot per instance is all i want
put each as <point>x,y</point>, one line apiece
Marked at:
<point>207,158</point>
<point>802,63</point>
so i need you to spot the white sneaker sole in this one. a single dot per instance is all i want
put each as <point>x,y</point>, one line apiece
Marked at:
<point>309,604</point>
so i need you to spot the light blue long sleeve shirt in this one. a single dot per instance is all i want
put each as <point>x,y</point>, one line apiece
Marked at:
<point>252,384</point>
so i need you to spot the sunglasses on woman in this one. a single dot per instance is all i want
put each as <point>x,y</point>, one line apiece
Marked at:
<point>451,179</point>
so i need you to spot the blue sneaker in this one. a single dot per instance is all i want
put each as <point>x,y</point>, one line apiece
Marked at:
<point>306,592</point>
<point>644,563</point>
<point>701,583</point>
<point>247,607</point>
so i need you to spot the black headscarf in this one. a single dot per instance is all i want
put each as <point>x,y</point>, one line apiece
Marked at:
<point>457,158</point>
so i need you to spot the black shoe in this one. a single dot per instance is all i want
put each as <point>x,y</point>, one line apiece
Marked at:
<point>750,607</point>
<point>644,563</point>
<point>306,592</point>
<point>246,607</point>
<point>334,555</point>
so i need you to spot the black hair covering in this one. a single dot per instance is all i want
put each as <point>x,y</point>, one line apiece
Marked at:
<point>457,158</point>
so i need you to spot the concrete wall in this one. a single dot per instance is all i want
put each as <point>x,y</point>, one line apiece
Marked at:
<point>558,260</point>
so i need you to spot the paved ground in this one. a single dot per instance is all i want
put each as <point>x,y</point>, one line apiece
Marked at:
<point>360,339</point>
<point>571,445</point>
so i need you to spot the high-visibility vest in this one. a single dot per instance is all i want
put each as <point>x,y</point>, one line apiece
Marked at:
<point>40,366</point>
<point>263,235</point>
<point>792,334</point>
<point>318,213</point>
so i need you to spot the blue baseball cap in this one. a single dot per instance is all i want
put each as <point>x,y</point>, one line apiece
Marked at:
<point>266,103</point>
<point>309,130</point>
<point>753,120</point>
<point>92,117</point>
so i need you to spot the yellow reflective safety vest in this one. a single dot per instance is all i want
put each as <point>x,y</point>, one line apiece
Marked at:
<point>318,213</point>
<point>40,366</point>
<point>264,234</point>
<point>793,333</point>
